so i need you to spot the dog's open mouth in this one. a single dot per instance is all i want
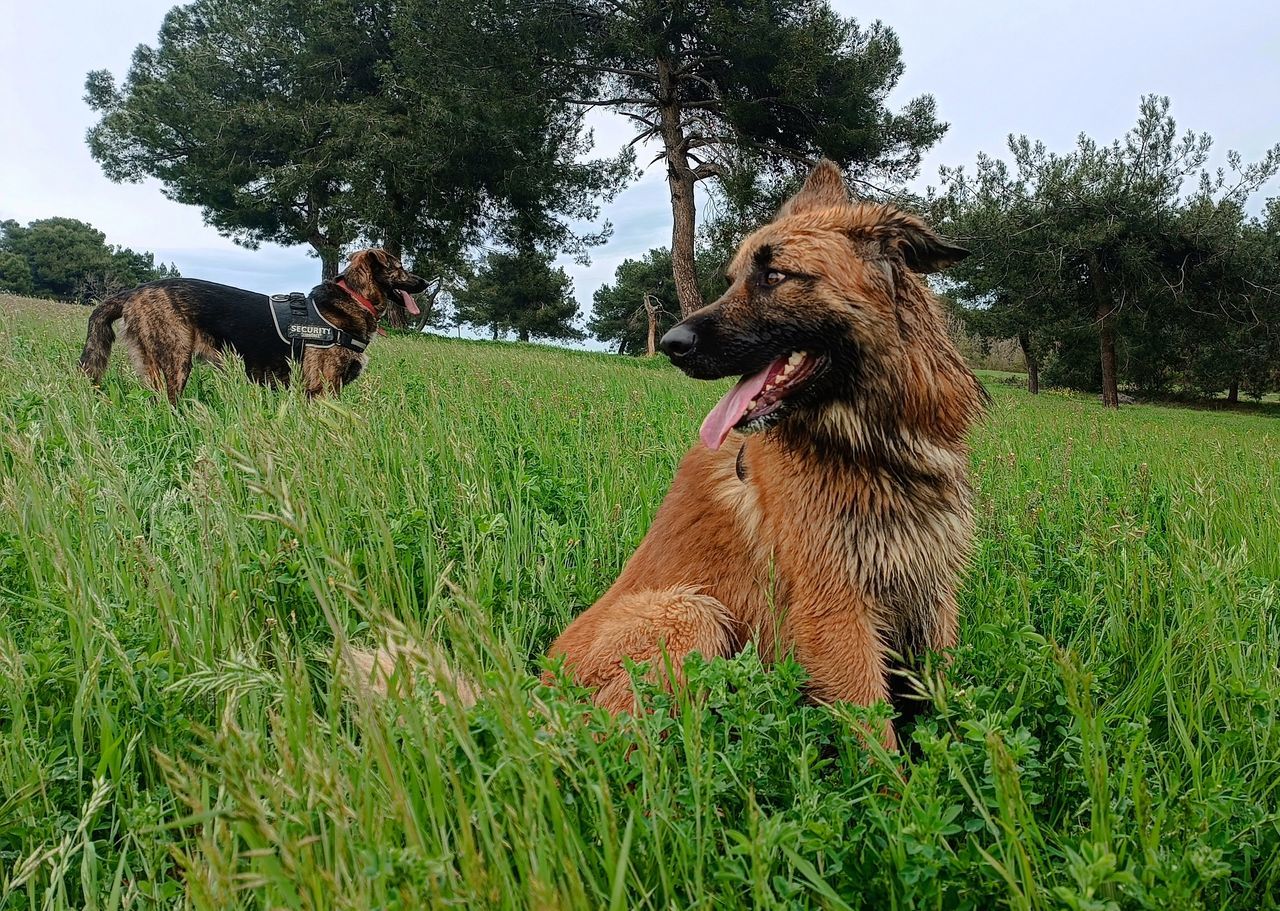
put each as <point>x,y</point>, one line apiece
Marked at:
<point>758,401</point>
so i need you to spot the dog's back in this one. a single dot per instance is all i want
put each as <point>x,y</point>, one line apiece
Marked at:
<point>170,321</point>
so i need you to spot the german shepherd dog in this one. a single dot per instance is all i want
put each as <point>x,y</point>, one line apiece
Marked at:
<point>827,511</point>
<point>169,323</point>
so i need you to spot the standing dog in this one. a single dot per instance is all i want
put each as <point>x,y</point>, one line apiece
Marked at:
<point>169,323</point>
<point>828,509</point>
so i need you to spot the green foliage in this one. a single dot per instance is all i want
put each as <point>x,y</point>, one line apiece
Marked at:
<point>782,79</point>
<point>364,120</point>
<point>745,197</point>
<point>1104,242</point>
<point>176,729</point>
<point>720,83</point>
<point>520,292</point>
<point>1224,334</point>
<point>220,111</point>
<point>59,251</point>
<point>69,259</point>
<point>15,274</point>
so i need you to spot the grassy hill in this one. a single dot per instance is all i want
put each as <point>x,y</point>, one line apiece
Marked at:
<point>175,729</point>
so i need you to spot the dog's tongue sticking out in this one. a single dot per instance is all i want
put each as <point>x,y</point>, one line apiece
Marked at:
<point>410,304</point>
<point>730,409</point>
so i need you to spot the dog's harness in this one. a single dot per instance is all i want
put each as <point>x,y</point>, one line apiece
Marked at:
<point>301,325</point>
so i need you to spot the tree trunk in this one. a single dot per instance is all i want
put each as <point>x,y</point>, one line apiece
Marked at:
<point>652,312</point>
<point>1105,314</point>
<point>682,243</point>
<point>395,316</point>
<point>523,335</point>
<point>1233,394</point>
<point>1107,350</point>
<point>680,181</point>
<point>327,247</point>
<point>329,256</point>
<point>1033,363</point>
<point>427,304</point>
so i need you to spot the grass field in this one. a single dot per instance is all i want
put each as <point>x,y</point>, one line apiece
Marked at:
<point>176,586</point>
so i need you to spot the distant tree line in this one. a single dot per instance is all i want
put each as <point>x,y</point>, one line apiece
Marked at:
<point>70,260</point>
<point>1123,264</point>
<point>452,133</point>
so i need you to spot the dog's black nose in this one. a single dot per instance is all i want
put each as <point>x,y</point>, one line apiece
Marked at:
<point>678,341</point>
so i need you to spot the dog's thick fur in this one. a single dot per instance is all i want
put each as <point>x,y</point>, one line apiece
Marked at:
<point>840,530</point>
<point>171,322</point>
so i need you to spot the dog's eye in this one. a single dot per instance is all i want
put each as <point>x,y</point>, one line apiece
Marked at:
<point>773,277</point>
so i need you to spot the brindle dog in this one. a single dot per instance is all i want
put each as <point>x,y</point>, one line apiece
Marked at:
<point>169,323</point>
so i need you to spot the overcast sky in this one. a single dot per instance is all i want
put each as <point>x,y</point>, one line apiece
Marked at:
<point>1050,70</point>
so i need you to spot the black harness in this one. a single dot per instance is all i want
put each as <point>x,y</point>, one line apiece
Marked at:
<point>301,325</point>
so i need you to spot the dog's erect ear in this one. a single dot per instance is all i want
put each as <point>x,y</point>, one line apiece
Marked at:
<point>381,262</point>
<point>372,265</point>
<point>357,264</point>
<point>388,267</point>
<point>823,189</point>
<point>361,272</point>
<point>919,245</point>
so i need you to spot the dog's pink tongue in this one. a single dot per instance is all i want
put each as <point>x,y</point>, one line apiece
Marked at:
<point>730,409</point>
<point>410,304</point>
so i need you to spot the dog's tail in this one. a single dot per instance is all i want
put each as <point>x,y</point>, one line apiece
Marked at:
<point>97,345</point>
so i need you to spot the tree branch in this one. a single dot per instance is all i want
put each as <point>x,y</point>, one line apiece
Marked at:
<point>707,169</point>
<point>616,71</point>
<point>608,102</point>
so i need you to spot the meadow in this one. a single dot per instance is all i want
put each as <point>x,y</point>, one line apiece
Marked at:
<point>177,588</point>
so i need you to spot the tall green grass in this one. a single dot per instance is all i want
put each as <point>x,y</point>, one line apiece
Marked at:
<point>177,728</point>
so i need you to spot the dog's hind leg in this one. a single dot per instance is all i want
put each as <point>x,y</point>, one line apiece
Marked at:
<point>146,360</point>
<point>161,347</point>
<point>171,356</point>
<point>944,634</point>
<point>177,371</point>
<point>660,628</point>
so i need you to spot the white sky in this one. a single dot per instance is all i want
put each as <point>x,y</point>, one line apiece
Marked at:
<point>1051,71</point>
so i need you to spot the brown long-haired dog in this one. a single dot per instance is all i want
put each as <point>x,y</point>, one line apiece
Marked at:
<point>828,509</point>
<point>170,323</point>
